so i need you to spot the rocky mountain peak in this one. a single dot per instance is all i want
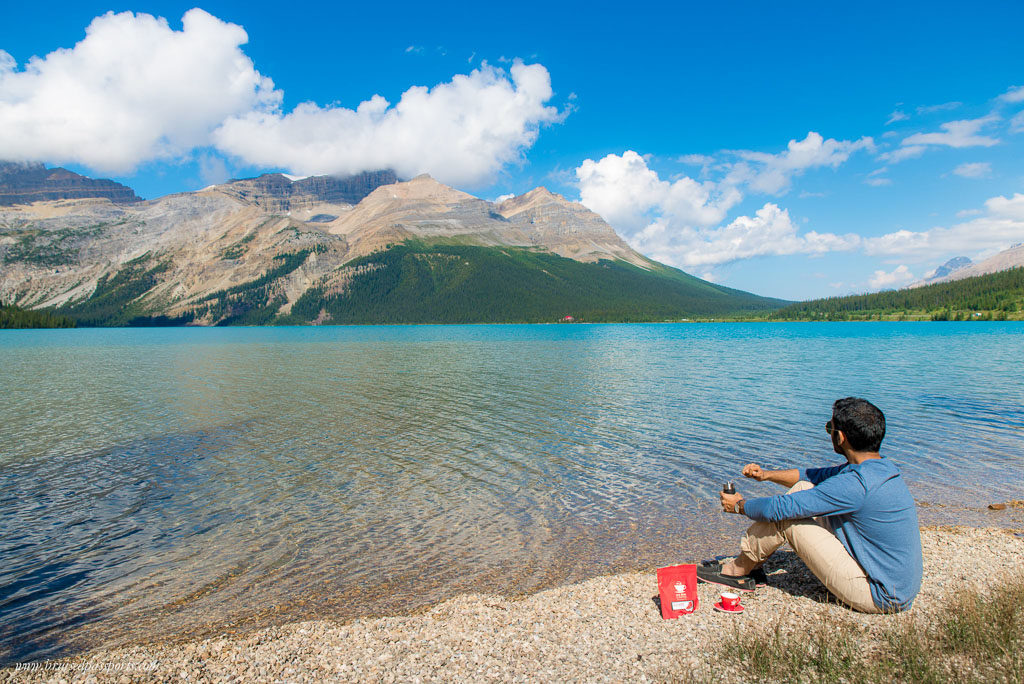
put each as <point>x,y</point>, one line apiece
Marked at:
<point>537,197</point>
<point>27,182</point>
<point>542,193</point>
<point>962,267</point>
<point>421,188</point>
<point>950,266</point>
<point>280,193</point>
<point>567,228</point>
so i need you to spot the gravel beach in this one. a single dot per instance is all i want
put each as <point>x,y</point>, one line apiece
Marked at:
<point>604,629</point>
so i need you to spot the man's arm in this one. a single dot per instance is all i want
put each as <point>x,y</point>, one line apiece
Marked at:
<point>786,478</point>
<point>837,495</point>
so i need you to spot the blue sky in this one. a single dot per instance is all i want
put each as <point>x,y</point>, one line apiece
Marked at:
<point>793,150</point>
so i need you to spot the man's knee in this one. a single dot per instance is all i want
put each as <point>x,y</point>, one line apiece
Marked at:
<point>791,529</point>
<point>800,486</point>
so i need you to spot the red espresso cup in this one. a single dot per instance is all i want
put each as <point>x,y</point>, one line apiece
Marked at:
<point>730,601</point>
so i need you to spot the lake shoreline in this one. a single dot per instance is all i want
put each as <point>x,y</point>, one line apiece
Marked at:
<point>1016,317</point>
<point>605,628</point>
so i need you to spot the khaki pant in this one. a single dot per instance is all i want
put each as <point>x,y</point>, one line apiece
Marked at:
<point>819,548</point>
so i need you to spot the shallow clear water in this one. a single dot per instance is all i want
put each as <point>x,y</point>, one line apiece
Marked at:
<point>159,481</point>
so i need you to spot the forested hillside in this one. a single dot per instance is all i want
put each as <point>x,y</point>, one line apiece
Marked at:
<point>996,296</point>
<point>419,283</point>
<point>15,317</point>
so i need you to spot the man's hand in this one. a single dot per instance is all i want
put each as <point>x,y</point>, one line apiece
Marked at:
<point>755,472</point>
<point>731,502</point>
<point>786,478</point>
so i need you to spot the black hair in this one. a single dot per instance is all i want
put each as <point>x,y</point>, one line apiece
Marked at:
<point>861,421</point>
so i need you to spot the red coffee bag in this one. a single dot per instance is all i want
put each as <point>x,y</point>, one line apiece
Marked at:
<point>677,587</point>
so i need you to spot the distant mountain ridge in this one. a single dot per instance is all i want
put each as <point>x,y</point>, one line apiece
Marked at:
<point>1007,259</point>
<point>321,250</point>
<point>947,268</point>
<point>279,193</point>
<point>23,183</point>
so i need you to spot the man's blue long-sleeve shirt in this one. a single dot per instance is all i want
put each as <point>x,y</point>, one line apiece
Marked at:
<point>871,512</point>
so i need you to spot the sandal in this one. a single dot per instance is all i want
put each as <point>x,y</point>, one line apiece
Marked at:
<point>759,576</point>
<point>713,575</point>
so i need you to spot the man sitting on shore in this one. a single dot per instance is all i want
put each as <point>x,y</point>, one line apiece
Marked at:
<point>854,525</point>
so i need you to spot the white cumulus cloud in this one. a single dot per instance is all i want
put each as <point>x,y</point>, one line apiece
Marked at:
<point>901,275</point>
<point>1001,226</point>
<point>629,195</point>
<point>1007,207</point>
<point>770,231</point>
<point>679,222</point>
<point>132,90</point>
<point>136,90</point>
<point>461,132</point>
<point>772,173</point>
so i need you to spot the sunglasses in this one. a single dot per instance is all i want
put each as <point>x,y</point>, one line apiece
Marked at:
<point>830,428</point>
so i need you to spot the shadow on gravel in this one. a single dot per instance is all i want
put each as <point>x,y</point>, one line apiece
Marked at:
<point>788,573</point>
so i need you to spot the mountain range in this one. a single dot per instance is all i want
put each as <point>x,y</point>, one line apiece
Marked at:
<point>23,183</point>
<point>360,249</point>
<point>959,268</point>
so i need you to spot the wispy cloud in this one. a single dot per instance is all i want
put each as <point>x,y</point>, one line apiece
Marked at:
<point>974,170</point>
<point>963,133</point>
<point>1013,94</point>
<point>945,106</point>
<point>1017,123</point>
<point>696,159</point>
<point>212,169</point>
<point>897,115</point>
<point>902,153</point>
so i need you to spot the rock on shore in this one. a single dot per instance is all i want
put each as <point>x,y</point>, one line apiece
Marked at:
<point>604,629</point>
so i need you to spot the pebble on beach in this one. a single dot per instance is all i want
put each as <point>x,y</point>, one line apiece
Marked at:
<point>605,629</point>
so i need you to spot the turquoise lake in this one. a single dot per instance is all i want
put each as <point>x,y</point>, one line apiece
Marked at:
<point>168,481</point>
